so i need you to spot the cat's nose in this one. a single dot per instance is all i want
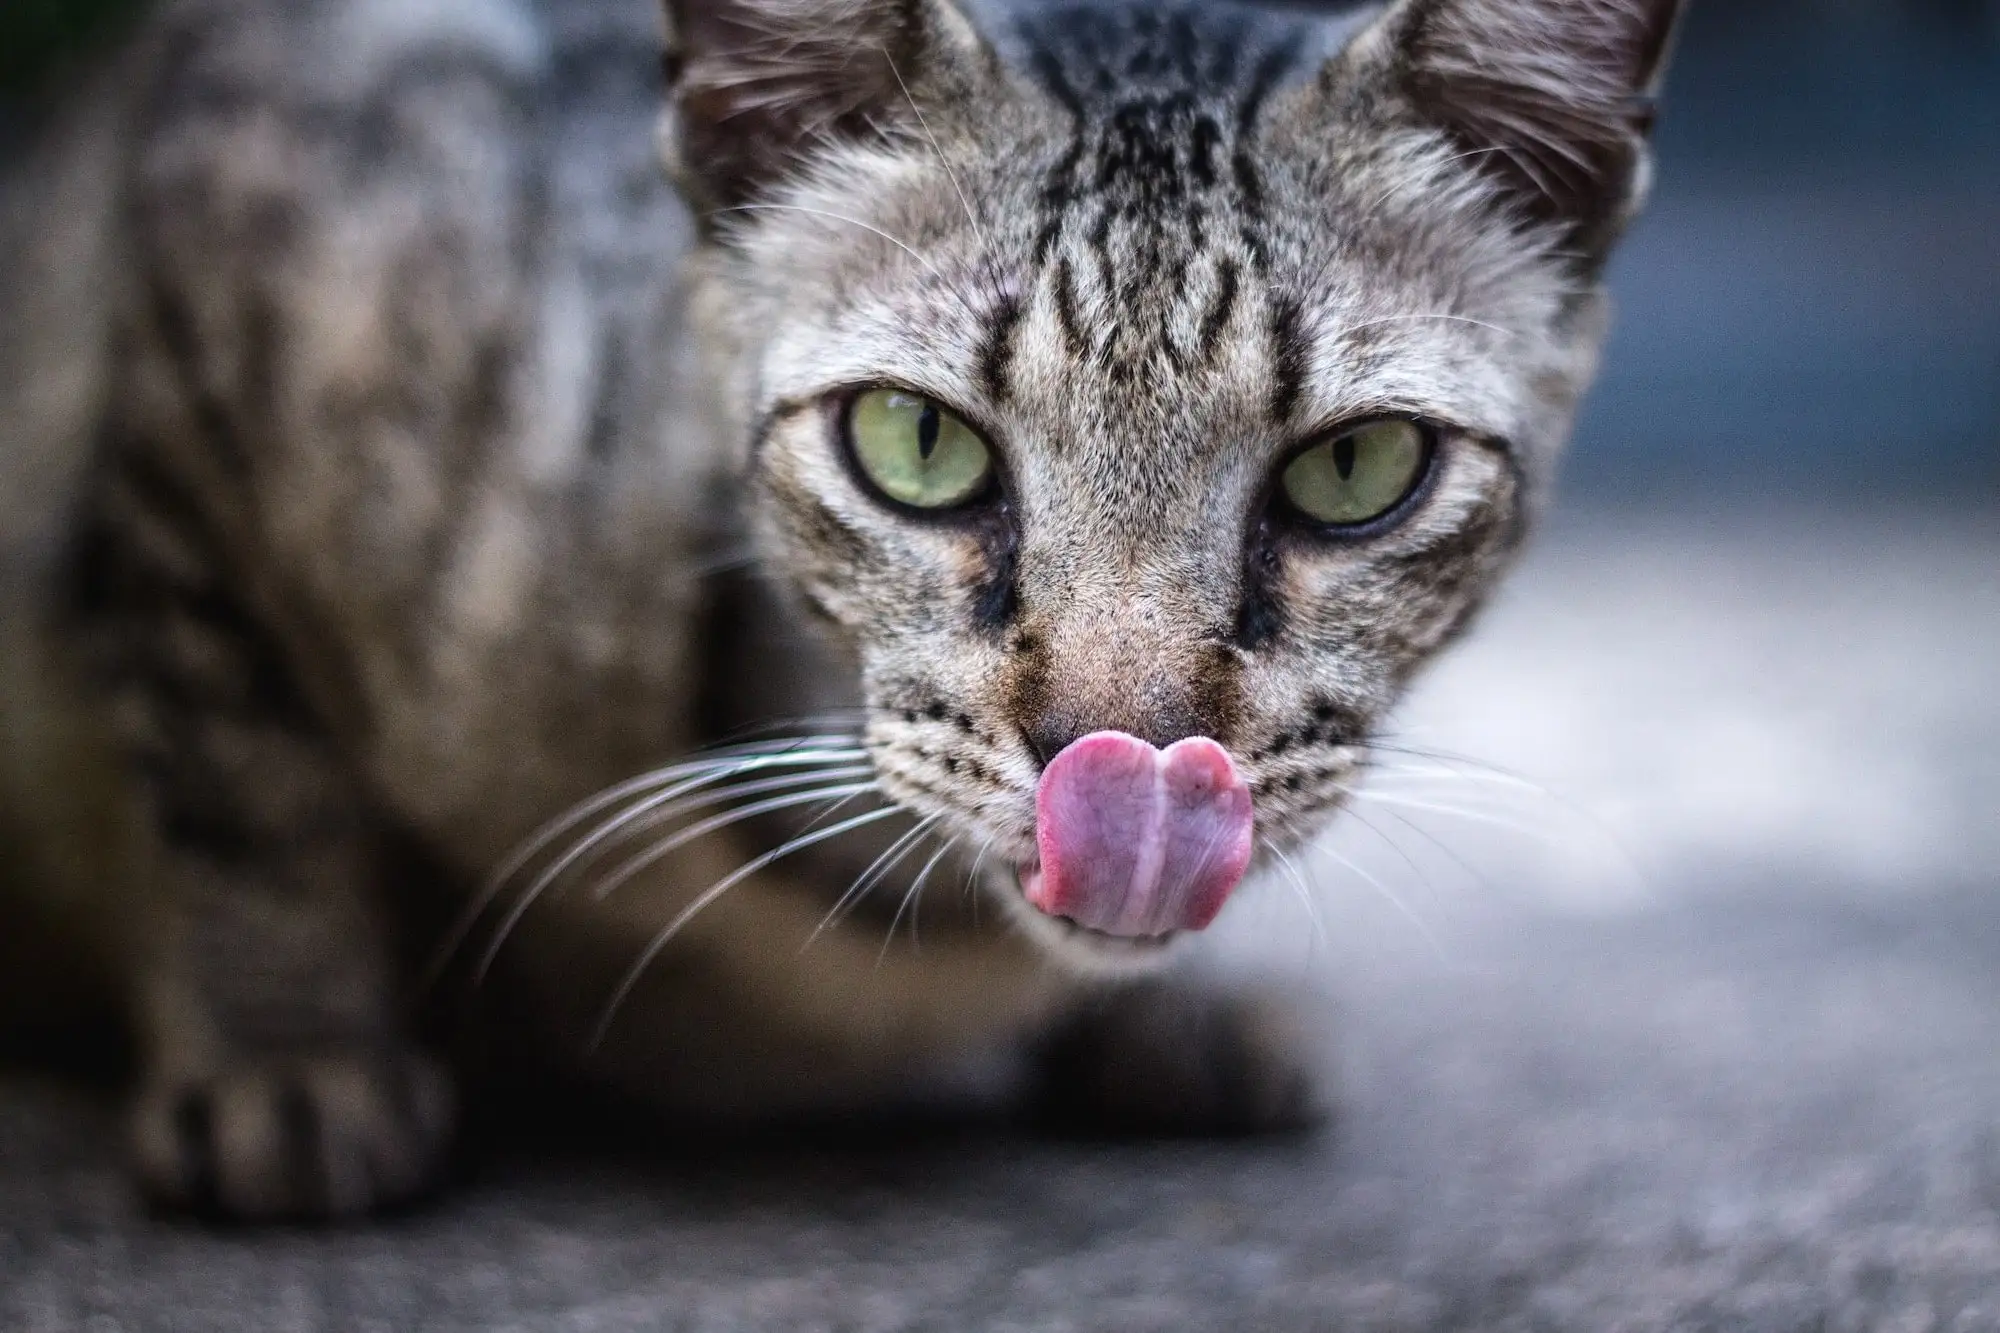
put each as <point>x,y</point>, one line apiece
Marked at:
<point>1130,668</point>
<point>1053,730</point>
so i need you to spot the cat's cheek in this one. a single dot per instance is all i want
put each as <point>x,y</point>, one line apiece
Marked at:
<point>879,574</point>
<point>825,554</point>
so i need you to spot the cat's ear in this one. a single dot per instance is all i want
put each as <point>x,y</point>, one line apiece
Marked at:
<point>756,86</point>
<point>1553,99</point>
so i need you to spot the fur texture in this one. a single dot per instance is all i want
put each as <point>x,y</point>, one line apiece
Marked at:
<point>448,468</point>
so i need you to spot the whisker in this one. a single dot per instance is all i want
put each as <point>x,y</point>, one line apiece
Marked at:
<point>727,561</point>
<point>988,257</point>
<point>1460,792</point>
<point>1434,841</point>
<point>717,765</point>
<point>1391,844</point>
<point>1467,813</point>
<point>972,877</point>
<point>723,762</point>
<point>1606,838</point>
<point>847,718</point>
<point>1416,773</point>
<point>631,823</point>
<point>916,889</point>
<point>659,851</point>
<point>1458,764</point>
<point>660,941</point>
<point>1480,777</point>
<point>639,822</point>
<point>612,827</point>
<point>986,246</point>
<point>1609,837</point>
<point>1365,325</point>
<point>834,809</point>
<point>1302,890</point>
<point>1388,895</point>
<point>891,857</point>
<point>1446,766</point>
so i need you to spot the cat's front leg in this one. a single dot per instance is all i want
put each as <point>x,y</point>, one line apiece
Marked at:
<point>278,1079</point>
<point>1177,1059</point>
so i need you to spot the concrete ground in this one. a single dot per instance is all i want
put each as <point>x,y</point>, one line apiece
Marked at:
<point>1678,1009</point>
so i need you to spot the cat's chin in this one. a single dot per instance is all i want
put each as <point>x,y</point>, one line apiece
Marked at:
<point>1083,950</point>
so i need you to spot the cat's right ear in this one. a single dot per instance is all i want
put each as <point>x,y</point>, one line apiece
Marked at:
<point>1551,100</point>
<point>756,87</point>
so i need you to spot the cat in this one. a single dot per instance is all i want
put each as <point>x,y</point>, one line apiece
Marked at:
<point>1081,421</point>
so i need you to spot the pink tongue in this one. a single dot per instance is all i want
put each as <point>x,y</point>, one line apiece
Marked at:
<point>1137,841</point>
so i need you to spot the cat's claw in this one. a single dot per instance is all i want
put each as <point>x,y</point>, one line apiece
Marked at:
<point>323,1137</point>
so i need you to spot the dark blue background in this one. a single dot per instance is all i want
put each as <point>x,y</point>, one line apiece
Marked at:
<point>1812,305</point>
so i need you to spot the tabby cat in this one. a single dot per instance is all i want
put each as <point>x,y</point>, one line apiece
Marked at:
<point>1004,467</point>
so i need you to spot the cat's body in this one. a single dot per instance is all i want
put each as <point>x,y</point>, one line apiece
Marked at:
<point>430,433</point>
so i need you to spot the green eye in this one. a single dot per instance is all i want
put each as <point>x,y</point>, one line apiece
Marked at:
<point>1360,476</point>
<point>915,452</point>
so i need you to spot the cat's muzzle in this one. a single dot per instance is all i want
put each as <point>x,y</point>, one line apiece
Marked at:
<point>1139,843</point>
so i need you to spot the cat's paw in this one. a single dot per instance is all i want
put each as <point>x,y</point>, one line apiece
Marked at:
<point>1165,1061</point>
<point>318,1137</point>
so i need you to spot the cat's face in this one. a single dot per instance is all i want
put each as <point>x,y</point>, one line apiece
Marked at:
<point>1173,374</point>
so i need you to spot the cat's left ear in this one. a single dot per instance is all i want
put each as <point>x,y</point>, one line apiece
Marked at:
<point>756,87</point>
<point>1553,100</point>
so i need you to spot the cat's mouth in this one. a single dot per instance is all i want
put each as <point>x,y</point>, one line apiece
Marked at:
<point>1137,845</point>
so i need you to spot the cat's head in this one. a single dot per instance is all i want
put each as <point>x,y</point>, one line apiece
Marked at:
<point>1162,370</point>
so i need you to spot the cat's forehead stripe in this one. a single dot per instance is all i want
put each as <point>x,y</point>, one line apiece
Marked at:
<point>1152,215</point>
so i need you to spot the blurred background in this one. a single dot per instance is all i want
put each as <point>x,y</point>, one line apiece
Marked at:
<point>1812,306</point>
<point>1741,703</point>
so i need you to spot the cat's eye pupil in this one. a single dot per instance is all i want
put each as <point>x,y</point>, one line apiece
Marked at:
<point>929,423</point>
<point>1343,457</point>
